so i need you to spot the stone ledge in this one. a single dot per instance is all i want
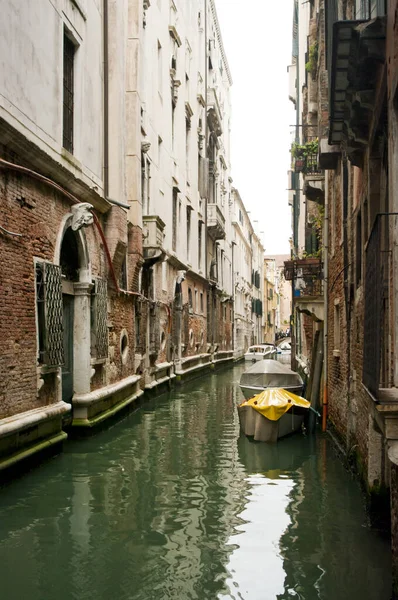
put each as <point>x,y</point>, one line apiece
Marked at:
<point>106,391</point>
<point>41,446</point>
<point>106,414</point>
<point>94,407</point>
<point>22,421</point>
<point>156,382</point>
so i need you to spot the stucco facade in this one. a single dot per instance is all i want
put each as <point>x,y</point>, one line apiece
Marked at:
<point>248,279</point>
<point>116,211</point>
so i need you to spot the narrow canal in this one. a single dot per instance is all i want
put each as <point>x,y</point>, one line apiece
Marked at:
<point>172,504</point>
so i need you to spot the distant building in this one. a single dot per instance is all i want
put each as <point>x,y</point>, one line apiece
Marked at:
<point>283,291</point>
<point>248,278</point>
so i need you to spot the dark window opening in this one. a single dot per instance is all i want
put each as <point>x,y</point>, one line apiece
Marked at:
<point>123,275</point>
<point>68,94</point>
<point>40,311</point>
<point>358,261</point>
<point>188,231</point>
<point>175,199</point>
<point>200,244</point>
<point>69,259</point>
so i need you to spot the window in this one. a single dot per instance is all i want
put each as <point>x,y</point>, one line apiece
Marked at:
<point>337,330</point>
<point>175,204</point>
<point>187,147</point>
<point>201,302</point>
<point>99,319</point>
<point>123,274</point>
<point>200,245</point>
<point>49,314</point>
<point>369,9</point>
<point>145,184</point>
<point>358,252</point>
<point>137,328</point>
<point>190,300</point>
<point>188,231</point>
<point>68,94</point>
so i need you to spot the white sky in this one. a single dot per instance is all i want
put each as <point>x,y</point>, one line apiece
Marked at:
<point>258,44</point>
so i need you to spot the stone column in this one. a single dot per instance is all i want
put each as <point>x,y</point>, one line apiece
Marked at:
<point>82,338</point>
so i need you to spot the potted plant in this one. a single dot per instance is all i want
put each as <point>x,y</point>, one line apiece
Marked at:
<point>304,155</point>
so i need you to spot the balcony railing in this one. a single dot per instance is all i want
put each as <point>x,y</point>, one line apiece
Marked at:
<point>307,275</point>
<point>215,222</point>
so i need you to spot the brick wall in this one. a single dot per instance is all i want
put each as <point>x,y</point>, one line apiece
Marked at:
<point>36,211</point>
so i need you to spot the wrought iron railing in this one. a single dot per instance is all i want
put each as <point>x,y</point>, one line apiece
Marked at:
<point>307,274</point>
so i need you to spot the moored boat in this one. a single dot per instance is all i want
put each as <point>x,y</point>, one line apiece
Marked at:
<point>260,352</point>
<point>272,414</point>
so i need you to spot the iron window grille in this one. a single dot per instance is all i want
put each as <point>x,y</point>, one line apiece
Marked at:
<point>99,315</point>
<point>49,314</point>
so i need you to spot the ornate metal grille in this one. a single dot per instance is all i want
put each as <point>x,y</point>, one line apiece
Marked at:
<point>99,321</point>
<point>68,102</point>
<point>307,275</point>
<point>154,330</point>
<point>50,314</point>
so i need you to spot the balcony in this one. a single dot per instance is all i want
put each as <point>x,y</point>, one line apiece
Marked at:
<point>215,222</point>
<point>153,235</point>
<point>306,161</point>
<point>358,47</point>
<point>307,277</point>
<point>214,117</point>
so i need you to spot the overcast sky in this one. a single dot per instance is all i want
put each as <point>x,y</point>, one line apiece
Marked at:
<point>258,44</point>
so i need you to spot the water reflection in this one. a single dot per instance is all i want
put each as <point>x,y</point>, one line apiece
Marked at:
<point>174,504</point>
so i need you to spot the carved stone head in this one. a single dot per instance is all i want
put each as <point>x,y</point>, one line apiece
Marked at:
<point>81,216</point>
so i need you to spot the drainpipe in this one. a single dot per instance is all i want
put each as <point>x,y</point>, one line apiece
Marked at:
<point>326,309</point>
<point>296,200</point>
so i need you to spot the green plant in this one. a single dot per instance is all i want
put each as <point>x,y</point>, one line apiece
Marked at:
<point>312,63</point>
<point>304,150</point>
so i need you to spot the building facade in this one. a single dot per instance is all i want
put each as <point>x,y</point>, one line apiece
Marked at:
<point>248,279</point>
<point>354,73</point>
<point>117,230</point>
<point>306,194</point>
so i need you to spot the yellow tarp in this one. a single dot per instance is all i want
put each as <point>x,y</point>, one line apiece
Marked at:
<point>273,403</point>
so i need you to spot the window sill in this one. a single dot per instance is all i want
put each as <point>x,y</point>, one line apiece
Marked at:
<point>336,353</point>
<point>97,361</point>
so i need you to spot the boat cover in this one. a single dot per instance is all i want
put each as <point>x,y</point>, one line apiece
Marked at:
<point>270,373</point>
<point>273,403</point>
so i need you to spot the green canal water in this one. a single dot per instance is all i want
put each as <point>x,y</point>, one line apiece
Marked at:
<point>173,504</point>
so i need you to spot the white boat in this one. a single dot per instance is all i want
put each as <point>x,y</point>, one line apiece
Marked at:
<point>269,374</point>
<point>272,414</point>
<point>260,352</point>
<point>284,347</point>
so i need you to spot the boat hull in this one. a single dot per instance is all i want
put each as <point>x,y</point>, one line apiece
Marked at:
<point>254,424</point>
